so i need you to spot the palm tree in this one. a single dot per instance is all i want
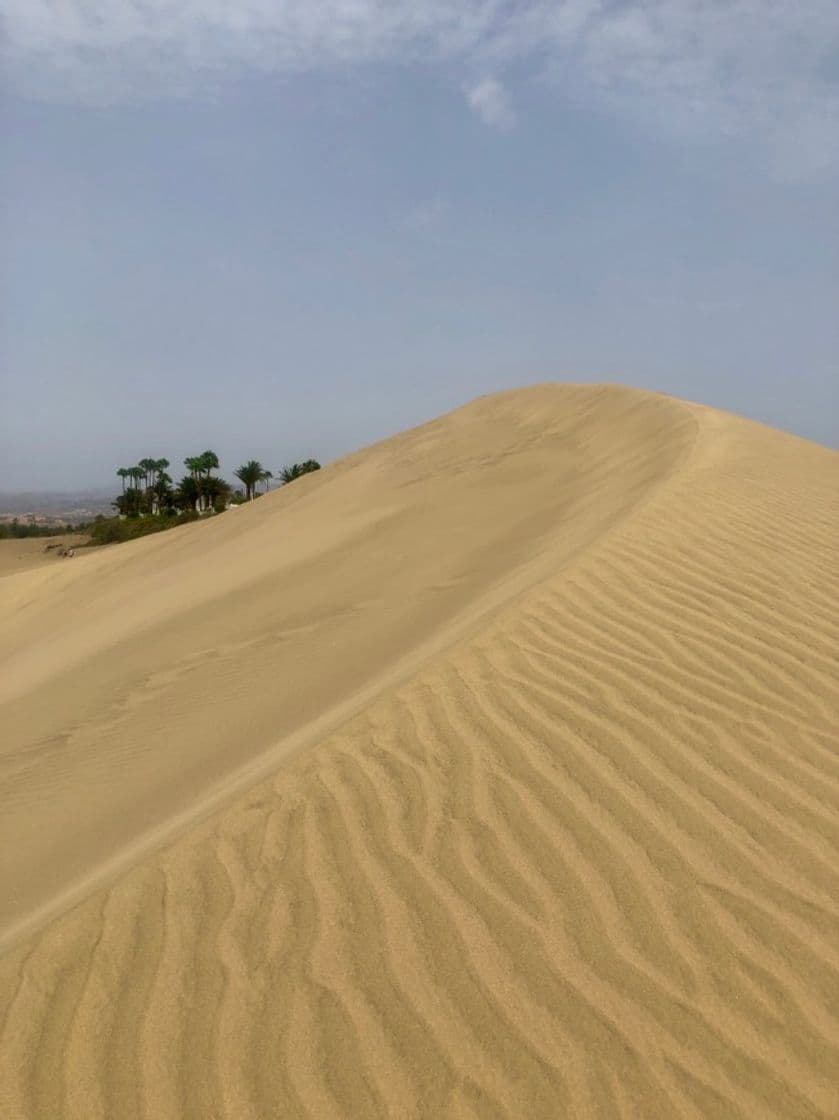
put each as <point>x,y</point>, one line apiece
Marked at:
<point>218,492</point>
<point>251,474</point>
<point>137,475</point>
<point>162,490</point>
<point>195,467</point>
<point>147,466</point>
<point>188,496</point>
<point>296,470</point>
<point>128,503</point>
<point>155,469</point>
<point>199,467</point>
<point>208,461</point>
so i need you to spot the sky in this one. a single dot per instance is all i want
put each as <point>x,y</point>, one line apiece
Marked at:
<point>284,229</point>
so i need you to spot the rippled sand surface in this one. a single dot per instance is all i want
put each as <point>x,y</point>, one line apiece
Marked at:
<point>491,772</point>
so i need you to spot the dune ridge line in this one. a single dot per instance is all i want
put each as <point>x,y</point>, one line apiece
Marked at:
<point>564,839</point>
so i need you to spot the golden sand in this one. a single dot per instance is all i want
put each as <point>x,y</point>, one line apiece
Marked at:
<point>33,552</point>
<point>491,772</point>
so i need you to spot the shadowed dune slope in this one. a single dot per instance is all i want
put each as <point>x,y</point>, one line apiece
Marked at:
<point>491,772</point>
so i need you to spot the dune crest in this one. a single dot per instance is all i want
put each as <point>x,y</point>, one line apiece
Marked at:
<point>563,836</point>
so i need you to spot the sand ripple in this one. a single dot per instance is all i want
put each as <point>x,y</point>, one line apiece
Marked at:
<point>582,862</point>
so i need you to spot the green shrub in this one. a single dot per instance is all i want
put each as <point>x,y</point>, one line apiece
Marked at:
<point>112,530</point>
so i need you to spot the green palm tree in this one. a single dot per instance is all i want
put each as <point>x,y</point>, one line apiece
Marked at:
<point>208,461</point>
<point>296,470</point>
<point>188,496</point>
<point>250,474</point>
<point>200,467</point>
<point>161,491</point>
<point>148,467</point>
<point>218,493</point>
<point>129,502</point>
<point>195,467</point>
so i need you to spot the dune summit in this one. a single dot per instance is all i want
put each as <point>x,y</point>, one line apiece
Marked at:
<point>490,772</point>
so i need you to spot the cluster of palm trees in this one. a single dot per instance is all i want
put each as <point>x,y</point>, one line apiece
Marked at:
<point>147,488</point>
<point>202,490</point>
<point>288,474</point>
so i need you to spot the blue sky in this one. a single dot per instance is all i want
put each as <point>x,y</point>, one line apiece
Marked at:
<point>288,229</point>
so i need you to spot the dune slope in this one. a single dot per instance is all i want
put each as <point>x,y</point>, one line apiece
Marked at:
<point>18,555</point>
<point>492,772</point>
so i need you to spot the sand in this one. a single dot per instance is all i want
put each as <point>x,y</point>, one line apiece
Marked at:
<point>31,552</point>
<point>491,772</point>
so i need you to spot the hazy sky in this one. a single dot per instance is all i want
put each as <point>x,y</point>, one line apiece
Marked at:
<point>283,229</point>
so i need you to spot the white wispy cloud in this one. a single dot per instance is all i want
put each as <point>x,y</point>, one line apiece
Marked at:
<point>491,102</point>
<point>764,67</point>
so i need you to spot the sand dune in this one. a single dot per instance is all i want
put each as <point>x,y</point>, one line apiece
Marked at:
<point>492,772</point>
<point>31,552</point>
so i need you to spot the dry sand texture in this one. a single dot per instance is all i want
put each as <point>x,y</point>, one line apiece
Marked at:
<point>493,772</point>
<point>31,552</point>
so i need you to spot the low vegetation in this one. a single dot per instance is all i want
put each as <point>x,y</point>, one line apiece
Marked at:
<point>18,530</point>
<point>111,530</point>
